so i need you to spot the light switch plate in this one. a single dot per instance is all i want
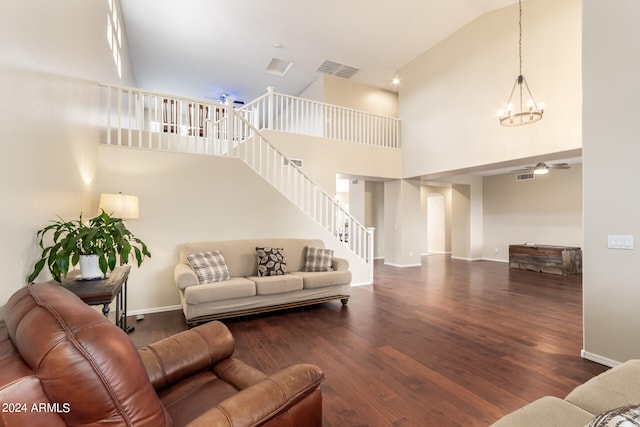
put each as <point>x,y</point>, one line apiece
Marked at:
<point>620,241</point>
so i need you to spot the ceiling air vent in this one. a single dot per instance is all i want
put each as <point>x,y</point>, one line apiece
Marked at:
<point>295,162</point>
<point>525,176</point>
<point>278,67</point>
<point>337,69</point>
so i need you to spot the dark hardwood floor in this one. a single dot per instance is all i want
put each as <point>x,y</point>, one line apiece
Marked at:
<point>451,343</point>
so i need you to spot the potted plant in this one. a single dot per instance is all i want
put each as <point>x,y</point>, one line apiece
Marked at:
<point>104,238</point>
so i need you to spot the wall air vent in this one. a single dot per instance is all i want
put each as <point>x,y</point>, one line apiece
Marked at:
<point>337,69</point>
<point>295,162</point>
<point>525,176</point>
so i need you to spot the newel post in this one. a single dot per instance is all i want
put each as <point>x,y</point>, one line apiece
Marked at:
<point>371,233</point>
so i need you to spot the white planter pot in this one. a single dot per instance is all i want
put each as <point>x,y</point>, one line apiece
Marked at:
<point>89,267</point>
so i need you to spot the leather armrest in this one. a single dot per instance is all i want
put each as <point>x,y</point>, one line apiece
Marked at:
<point>262,401</point>
<point>184,276</point>
<point>339,264</point>
<point>181,355</point>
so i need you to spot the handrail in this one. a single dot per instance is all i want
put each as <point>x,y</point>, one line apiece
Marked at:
<point>142,119</point>
<point>276,111</point>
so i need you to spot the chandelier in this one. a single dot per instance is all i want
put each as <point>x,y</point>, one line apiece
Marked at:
<point>518,113</point>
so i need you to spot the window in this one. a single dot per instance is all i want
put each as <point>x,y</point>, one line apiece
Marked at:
<point>114,34</point>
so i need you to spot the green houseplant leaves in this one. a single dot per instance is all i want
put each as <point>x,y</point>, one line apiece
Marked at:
<point>104,235</point>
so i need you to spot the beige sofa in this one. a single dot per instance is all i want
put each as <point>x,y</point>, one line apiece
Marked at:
<point>593,403</point>
<point>247,293</point>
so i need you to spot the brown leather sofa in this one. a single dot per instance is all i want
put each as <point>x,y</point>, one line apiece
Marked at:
<point>63,363</point>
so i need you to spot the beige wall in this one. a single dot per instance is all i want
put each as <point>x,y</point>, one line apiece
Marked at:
<point>436,238</point>
<point>545,210</point>
<point>187,198</point>
<point>374,214</point>
<point>324,158</point>
<point>611,204</point>
<point>48,115</point>
<point>450,95</point>
<point>49,162</point>
<point>349,94</point>
<point>358,96</point>
<point>67,38</point>
<point>403,223</point>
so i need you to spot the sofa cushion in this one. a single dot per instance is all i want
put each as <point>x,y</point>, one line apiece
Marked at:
<point>619,417</point>
<point>271,261</point>
<point>616,387</point>
<point>236,287</point>
<point>317,259</point>
<point>209,266</point>
<point>546,411</point>
<point>314,280</point>
<point>267,285</point>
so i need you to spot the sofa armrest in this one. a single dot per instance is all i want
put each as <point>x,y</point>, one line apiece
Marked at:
<point>339,264</point>
<point>179,356</point>
<point>184,276</point>
<point>266,399</point>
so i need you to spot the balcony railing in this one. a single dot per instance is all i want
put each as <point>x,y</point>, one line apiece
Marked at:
<point>286,113</point>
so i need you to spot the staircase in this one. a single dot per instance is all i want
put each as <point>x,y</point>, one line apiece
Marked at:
<point>146,120</point>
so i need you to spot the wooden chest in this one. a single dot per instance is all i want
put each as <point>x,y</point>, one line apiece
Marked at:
<point>546,259</point>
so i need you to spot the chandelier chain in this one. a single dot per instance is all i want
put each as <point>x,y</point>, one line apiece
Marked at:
<point>520,35</point>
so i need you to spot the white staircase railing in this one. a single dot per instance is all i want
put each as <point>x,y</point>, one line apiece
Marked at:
<point>147,120</point>
<point>286,113</point>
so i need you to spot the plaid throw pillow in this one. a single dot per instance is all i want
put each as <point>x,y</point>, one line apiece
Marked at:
<point>210,266</point>
<point>271,261</point>
<point>318,259</point>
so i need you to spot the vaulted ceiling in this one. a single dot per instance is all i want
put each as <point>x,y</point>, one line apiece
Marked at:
<point>206,48</point>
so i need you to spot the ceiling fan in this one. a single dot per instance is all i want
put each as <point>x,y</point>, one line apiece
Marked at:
<point>542,168</point>
<point>224,98</point>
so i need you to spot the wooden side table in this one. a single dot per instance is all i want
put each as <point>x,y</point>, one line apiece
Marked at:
<point>103,292</point>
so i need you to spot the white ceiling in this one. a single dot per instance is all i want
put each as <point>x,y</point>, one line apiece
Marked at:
<point>202,48</point>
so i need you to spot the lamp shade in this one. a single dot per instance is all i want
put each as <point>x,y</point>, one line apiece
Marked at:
<point>119,205</point>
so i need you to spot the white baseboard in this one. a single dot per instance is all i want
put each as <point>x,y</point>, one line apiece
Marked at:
<point>153,310</point>
<point>402,265</point>
<point>599,359</point>
<point>504,261</point>
<point>466,259</point>
<point>353,285</point>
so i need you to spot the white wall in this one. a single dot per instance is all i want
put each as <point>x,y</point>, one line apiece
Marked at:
<point>545,210</point>
<point>611,148</point>
<point>450,95</point>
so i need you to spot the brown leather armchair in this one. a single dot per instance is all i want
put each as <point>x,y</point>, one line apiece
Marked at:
<point>63,363</point>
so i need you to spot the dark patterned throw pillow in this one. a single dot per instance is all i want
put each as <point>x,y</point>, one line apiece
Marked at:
<point>625,416</point>
<point>317,259</point>
<point>271,261</point>
<point>209,266</point>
